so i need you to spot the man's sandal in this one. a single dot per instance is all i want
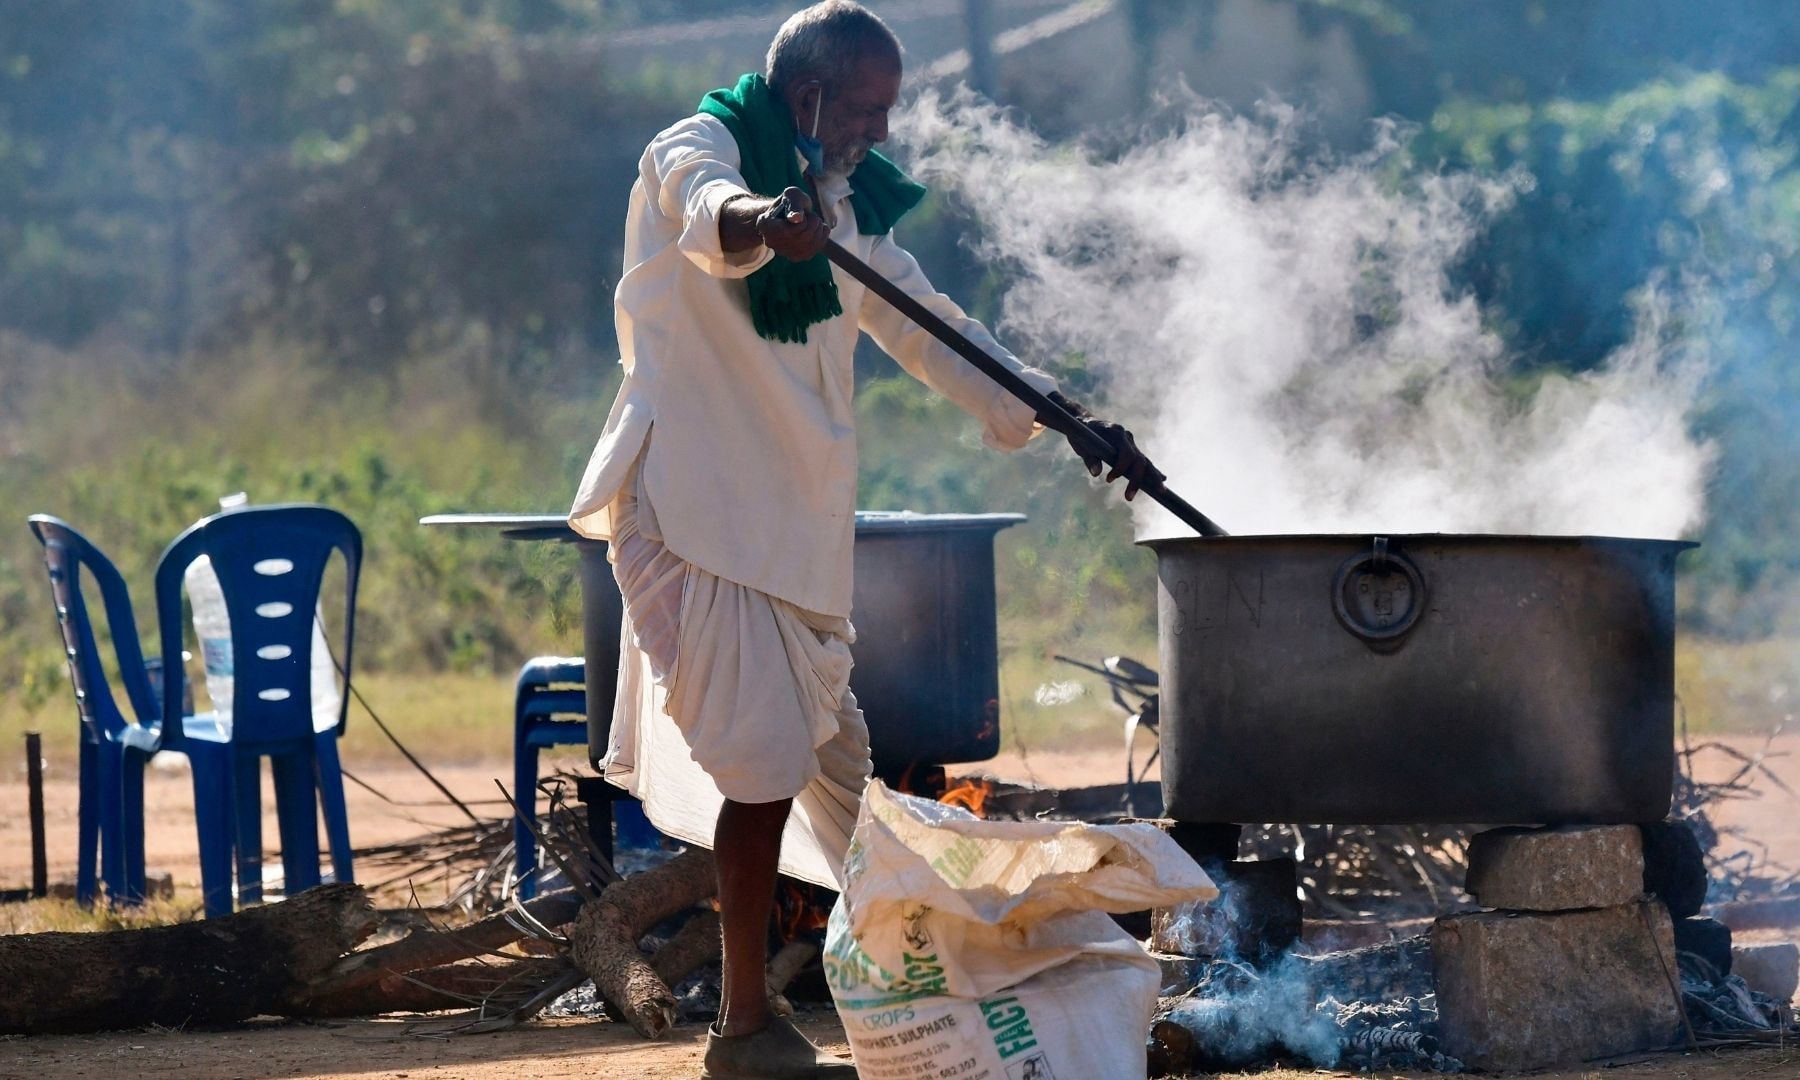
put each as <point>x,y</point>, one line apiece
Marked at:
<point>777,1052</point>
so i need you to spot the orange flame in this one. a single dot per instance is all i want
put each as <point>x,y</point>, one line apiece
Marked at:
<point>799,911</point>
<point>991,723</point>
<point>970,793</point>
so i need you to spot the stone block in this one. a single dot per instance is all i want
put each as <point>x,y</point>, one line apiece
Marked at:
<point>1709,939</point>
<point>1772,969</point>
<point>1559,869</point>
<point>1529,990</point>
<point>1675,867</point>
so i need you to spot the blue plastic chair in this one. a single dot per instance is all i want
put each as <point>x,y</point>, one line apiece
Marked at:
<point>549,709</point>
<point>114,750</point>
<point>270,562</point>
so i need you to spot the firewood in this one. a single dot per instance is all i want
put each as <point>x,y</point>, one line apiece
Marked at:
<point>603,940</point>
<point>1172,1048</point>
<point>216,971</point>
<point>347,980</point>
<point>628,984</point>
<point>435,989</point>
<point>650,897</point>
<point>789,962</point>
<point>693,946</point>
<point>783,966</point>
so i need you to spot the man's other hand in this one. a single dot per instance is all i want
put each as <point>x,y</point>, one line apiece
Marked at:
<point>1129,461</point>
<point>790,227</point>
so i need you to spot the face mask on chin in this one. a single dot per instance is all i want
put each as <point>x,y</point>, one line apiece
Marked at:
<point>808,143</point>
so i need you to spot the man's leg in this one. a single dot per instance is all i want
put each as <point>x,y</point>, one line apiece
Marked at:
<point>747,850</point>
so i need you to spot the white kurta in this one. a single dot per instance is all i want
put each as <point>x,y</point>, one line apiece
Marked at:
<point>726,479</point>
<point>749,445</point>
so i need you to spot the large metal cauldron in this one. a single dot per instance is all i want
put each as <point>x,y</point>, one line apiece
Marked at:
<point>1429,679</point>
<point>927,652</point>
<point>927,649</point>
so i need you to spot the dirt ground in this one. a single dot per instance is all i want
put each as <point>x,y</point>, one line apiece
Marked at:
<point>558,1049</point>
<point>574,1048</point>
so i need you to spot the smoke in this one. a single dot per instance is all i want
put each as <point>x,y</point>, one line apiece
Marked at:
<point>1243,1017</point>
<point>1281,330</point>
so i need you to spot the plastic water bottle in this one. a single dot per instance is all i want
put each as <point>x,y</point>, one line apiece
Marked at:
<point>212,626</point>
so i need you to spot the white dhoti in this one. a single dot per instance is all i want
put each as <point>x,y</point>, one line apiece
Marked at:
<point>728,692</point>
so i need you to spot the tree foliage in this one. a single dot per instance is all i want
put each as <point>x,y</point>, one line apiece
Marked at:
<point>363,251</point>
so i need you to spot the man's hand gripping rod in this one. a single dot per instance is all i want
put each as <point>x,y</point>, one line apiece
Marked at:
<point>1059,418</point>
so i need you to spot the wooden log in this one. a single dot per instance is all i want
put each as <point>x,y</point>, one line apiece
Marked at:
<point>327,995</point>
<point>650,897</point>
<point>783,966</point>
<point>210,972</point>
<point>436,989</point>
<point>1172,1049</point>
<point>630,986</point>
<point>604,939</point>
<point>695,945</point>
<point>789,962</point>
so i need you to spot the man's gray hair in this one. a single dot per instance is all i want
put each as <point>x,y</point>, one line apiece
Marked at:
<point>826,42</point>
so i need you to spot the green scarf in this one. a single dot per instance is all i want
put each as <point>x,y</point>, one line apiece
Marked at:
<point>787,297</point>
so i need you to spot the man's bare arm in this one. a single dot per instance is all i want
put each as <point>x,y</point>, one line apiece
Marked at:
<point>785,223</point>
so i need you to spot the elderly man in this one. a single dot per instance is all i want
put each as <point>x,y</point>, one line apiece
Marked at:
<point>725,479</point>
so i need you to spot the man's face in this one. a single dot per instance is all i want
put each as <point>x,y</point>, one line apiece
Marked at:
<point>852,122</point>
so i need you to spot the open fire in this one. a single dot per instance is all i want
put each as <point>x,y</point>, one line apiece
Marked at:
<point>971,793</point>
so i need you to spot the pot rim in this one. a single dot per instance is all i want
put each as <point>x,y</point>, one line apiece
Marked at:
<point>1158,543</point>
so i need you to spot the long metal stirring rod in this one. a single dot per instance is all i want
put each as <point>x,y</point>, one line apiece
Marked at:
<point>1058,418</point>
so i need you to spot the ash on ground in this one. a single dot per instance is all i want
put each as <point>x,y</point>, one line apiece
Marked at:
<point>696,999</point>
<point>1370,1008</point>
<point>1724,1005</point>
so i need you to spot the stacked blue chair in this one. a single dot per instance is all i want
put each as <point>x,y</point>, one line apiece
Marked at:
<point>270,562</point>
<point>549,709</point>
<point>114,750</point>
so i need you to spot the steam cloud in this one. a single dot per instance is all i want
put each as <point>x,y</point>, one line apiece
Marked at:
<point>1281,331</point>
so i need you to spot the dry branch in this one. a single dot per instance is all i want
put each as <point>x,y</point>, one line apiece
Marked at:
<point>215,971</point>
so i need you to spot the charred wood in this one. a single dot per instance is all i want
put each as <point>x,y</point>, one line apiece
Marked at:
<point>1388,972</point>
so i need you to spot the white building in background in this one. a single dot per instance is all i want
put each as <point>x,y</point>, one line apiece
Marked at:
<point>1069,64</point>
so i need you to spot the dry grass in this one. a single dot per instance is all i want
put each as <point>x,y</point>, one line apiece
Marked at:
<point>449,717</point>
<point>444,717</point>
<point>1728,686</point>
<point>39,916</point>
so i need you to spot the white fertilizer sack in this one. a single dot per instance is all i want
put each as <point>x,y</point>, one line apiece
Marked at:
<point>964,949</point>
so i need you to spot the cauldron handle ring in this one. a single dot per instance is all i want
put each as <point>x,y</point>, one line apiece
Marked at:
<point>1378,562</point>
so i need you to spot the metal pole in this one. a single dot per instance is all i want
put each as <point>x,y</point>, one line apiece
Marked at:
<point>978,18</point>
<point>34,783</point>
<point>1053,415</point>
